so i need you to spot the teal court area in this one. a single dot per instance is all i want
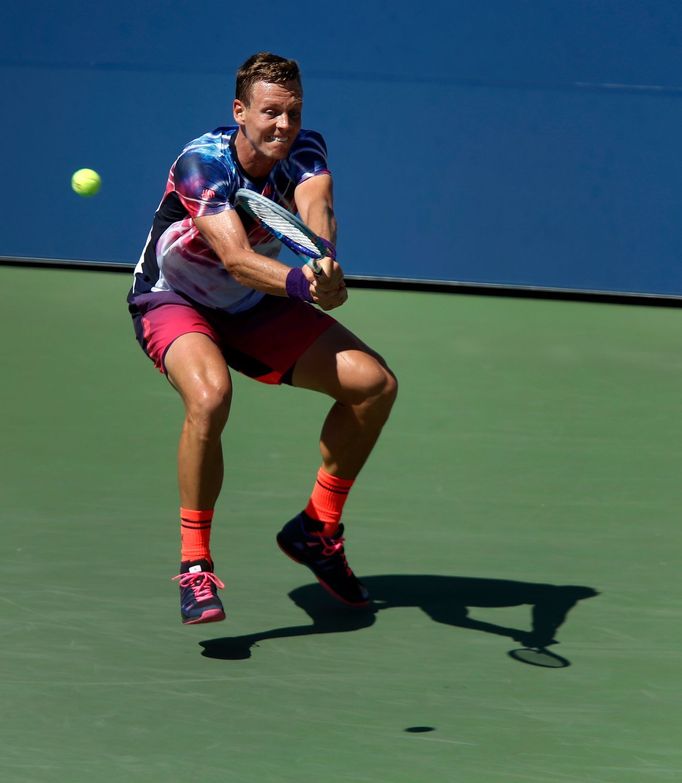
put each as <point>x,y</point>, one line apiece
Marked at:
<point>526,491</point>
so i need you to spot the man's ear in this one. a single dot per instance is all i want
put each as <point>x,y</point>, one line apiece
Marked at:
<point>238,111</point>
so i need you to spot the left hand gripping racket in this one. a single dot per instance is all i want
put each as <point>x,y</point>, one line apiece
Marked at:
<point>286,227</point>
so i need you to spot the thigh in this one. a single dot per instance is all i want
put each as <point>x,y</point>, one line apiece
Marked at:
<point>196,367</point>
<point>158,326</point>
<point>341,365</point>
<point>266,341</point>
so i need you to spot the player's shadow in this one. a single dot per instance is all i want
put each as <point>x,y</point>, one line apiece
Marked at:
<point>445,599</point>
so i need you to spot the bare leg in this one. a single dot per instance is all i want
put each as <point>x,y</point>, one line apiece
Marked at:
<point>340,365</point>
<point>364,390</point>
<point>197,369</point>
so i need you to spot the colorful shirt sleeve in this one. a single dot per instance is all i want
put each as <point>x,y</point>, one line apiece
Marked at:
<point>308,157</point>
<point>203,183</point>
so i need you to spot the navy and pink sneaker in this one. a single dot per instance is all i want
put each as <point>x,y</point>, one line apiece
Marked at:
<point>325,557</point>
<point>199,601</point>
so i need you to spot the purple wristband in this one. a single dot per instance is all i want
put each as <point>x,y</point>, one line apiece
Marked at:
<point>298,286</point>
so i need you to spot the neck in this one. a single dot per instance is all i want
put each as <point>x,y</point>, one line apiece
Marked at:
<point>254,164</point>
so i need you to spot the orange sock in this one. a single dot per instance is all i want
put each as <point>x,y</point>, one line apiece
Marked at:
<point>195,534</point>
<point>327,500</point>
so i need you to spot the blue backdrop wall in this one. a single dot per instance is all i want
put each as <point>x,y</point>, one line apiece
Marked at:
<point>516,142</point>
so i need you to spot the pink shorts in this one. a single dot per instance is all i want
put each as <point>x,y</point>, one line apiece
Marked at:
<point>264,342</point>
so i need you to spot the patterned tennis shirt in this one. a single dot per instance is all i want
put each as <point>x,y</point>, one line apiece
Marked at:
<point>203,181</point>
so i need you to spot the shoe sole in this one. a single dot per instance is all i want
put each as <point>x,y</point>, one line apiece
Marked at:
<point>331,592</point>
<point>212,616</point>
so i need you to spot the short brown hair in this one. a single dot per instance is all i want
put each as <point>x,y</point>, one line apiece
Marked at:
<point>265,67</point>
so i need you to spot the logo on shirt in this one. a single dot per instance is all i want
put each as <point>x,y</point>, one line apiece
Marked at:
<point>207,194</point>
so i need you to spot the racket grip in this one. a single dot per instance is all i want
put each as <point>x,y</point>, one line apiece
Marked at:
<point>315,266</point>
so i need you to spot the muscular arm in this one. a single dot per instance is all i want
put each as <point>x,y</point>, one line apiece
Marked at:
<point>225,234</point>
<point>315,204</point>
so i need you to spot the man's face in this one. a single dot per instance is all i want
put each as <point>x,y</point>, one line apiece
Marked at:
<point>272,119</point>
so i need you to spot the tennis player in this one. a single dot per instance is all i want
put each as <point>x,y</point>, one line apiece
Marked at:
<point>209,294</point>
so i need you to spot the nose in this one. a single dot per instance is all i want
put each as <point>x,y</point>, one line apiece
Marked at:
<point>283,121</point>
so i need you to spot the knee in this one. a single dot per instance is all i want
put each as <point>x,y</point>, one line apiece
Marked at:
<point>208,408</point>
<point>382,393</point>
<point>389,387</point>
<point>375,385</point>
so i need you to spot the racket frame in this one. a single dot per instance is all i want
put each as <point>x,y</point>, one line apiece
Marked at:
<point>246,199</point>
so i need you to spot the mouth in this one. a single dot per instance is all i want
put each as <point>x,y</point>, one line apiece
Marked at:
<point>277,139</point>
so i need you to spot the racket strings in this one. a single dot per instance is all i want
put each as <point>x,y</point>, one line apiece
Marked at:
<point>282,226</point>
<point>279,223</point>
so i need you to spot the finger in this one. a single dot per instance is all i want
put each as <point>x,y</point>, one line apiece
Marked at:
<point>329,301</point>
<point>326,290</point>
<point>333,296</point>
<point>330,305</point>
<point>332,283</point>
<point>326,265</point>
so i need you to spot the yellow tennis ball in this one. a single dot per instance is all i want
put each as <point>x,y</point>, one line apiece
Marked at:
<point>86,182</point>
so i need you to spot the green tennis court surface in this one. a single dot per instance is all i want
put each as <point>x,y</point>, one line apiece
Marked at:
<point>533,460</point>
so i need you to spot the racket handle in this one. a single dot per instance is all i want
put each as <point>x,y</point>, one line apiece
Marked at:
<point>314,265</point>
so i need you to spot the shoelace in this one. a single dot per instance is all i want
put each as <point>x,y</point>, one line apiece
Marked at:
<point>200,583</point>
<point>333,546</point>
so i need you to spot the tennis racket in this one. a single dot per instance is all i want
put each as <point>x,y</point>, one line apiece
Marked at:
<point>286,227</point>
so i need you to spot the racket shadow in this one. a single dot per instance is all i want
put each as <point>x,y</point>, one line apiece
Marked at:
<point>445,599</point>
